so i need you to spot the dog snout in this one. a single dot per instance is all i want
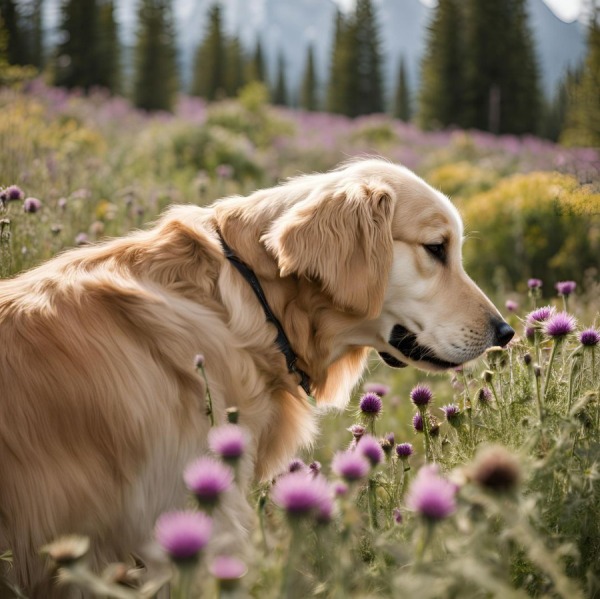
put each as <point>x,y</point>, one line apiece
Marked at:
<point>503,331</point>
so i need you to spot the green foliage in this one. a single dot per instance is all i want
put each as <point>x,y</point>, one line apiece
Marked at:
<point>280,95</point>
<point>541,225</point>
<point>376,132</point>
<point>256,66</point>
<point>234,66</point>
<point>109,49</point>
<point>402,103</point>
<point>308,91</point>
<point>582,126</point>
<point>155,81</point>
<point>462,179</point>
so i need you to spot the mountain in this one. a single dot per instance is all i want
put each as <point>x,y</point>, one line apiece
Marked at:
<point>290,25</point>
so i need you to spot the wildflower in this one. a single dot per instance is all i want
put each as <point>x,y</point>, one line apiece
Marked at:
<point>228,441</point>
<point>32,205</point>
<point>81,239</point>
<point>183,534</point>
<point>432,496</point>
<point>199,360</point>
<point>452,413</point>
<point>511,305</point>
<point>357,430</point>
<point>434,426</point>
<point>404,450</point>
<point>208,479</point>
<point>397,515</point>
<point>565,287</point>
<point>390,438</point>
<point>315,467</point>
<point>62,203</point>
<point>377,388</point>
<point>296,464</point>
<point>421,395</point>
<point>530,333</point>
<point>484,395</point>
<point>417,422</point>
<point>386,445</point>
<point>224,171</point>
<point>527,359</point>
<point>227,570</point>
<point>340,488</point>
<point>369,447</point>
<point>67,550</point>
<point>589,337</point>
<point>371,405</point>
<point>534,283</point>
<point>300,495</point>
<point>350,465</point>
<point>14,193</point>
<point>496,469</point>
<point>540,315</point>
<point>559,325</point>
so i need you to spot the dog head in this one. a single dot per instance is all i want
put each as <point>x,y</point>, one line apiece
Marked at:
<point>386,248</point>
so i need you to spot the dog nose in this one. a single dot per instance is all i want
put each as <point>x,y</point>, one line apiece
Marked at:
<point>504,332</point>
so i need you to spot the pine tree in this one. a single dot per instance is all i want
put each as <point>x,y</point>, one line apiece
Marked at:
<point>34,33</point>
<point>234,66</point>
<point>155,80</point>
<point>441,97</point>
<point>256,68</point>
<point>209,72</point>
<point>279,94</point>
<point>402,109</point>
<point>16,52</point>
<point>308,92</point>
<point>369,98</point>
<point>582,126</point>
<point>109,66</point>
<point>77,56</point>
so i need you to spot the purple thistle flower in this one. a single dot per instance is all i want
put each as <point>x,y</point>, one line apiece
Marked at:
<point>421,395</point>
<point>296,465</point>
<point>14,193</point>
<point>559,325</point>
<point>357,430</point>
<point>417,422</point>
<point>377,388</point>
<point>199,360</point>
<point>224,171</point>
<point>404,450</point>
<point>300,494</point>
<point>371,449</point>
<point>371,405</point>
<point>32,205</point>
<point>484,395</point>
<point>227,568</point>
<point>81,239</point>
<point>540,315</point>
<point>350,465</point>
<point>390,438</point>
<point>340,488</point>
<point>183,534</point>
<point>397,514</point>
<point>511,305</point>
<point>431,495</point>
<point>62,203</point>
<point>451,411</point>
<point>565,287</point>
<point>208,478</point>
<point>228,441</point>
<point>534,283</point>
<point>315,467</point>
<point>589,337</point>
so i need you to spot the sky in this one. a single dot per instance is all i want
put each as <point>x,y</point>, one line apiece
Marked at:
<point>567,10</point>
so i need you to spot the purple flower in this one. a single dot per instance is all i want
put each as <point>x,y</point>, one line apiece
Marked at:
<point>534,283</point>
<point>371,449</point>
<point>565,287</point>
<point>296,465</point>
<point>350,465</point>
<point>208,478</point>
<point>378,388</point>
<point>431,495</point>
<point>224,171</point>
<point>417,422</point>
<point>314,468</point>
<point>227,568</point>
<point>421,395</point>
<point>589,337</point>
<point>451,411</point>
<point>199,360</point>
<point>183,534</point>
<point>62,203</point>
<point>540,315</point>
<point>390,438</point>
<point>530,333</point>
<point>357,430</point>
<point>300,494</point>
<point>404,450</point>
<point>340,488</point>
<point>228,441</point>
<point>397,514</point>
<point>81,239</point>
<point>484,395</point>
<point>511,305</point>
<point>32,205</point>
<point>559,325</point>
<point>371,404</point>
<point>14,193</point>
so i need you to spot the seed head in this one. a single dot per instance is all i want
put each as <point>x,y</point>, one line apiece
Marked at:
<point>67,550</point>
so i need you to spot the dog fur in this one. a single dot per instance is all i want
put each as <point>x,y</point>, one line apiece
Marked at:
<point>101,405</point>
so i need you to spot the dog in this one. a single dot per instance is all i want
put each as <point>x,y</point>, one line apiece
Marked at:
<point>102,406</point>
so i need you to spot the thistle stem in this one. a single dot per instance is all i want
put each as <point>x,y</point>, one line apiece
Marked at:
<point>209,404</point>
<point>549,368</point>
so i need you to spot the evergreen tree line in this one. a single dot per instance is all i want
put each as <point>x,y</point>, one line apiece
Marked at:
<point>479,69</point>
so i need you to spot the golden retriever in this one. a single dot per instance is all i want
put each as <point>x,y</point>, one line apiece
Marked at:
<point>102,406</point>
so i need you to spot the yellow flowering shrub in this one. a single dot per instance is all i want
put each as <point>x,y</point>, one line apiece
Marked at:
<point>461,179</point>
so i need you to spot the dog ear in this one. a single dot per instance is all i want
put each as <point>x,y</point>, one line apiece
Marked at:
<point>342,239</point>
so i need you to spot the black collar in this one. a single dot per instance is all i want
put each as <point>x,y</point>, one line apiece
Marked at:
<point>282,341</point>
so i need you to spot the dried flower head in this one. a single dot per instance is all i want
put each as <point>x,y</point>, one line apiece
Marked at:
<point>208,478</point>
<point>371,405</point>
<point>496,469</point>
<point>183,534</point>
<point>67,550</point>
<point>560,325</point>
<point>371,449</point>
<point>565,287</point>
<point>589,337</point>
<point>432,496</point>
<point>352,466</point>
<point>421,395</point>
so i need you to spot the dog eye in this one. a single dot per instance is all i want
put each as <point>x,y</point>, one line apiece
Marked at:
<point>437,250</point>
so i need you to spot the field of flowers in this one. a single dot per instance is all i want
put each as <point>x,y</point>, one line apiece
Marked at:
<point>481,483</point>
